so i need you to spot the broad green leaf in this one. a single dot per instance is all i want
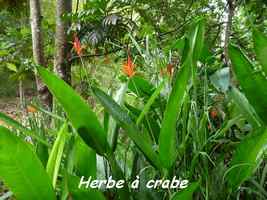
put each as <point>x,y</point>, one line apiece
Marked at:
<point>260,46</point>
<point>56,154</point>
<point>113,126</point>
<point>84,159</point>
<point>187,193</point>
<point>150,121</point>
<point>21,170</point>
<point>168,138</point>
<point>141,87</point>
<point>196,39</point>
<point>82,193</point>
<point>12,67</point>
<point>121,116</point>
<point>80,114</point>
<point>14,124</point>
<point>253,84</point>
<point>178,45</point>
<point>206,55</point>
<point>244,107</point>
<point>144,89</point>
<point>150,101</point>
<point>247,157</point>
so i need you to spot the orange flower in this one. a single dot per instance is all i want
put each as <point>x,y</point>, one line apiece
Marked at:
<point>77,45</point>
<point>213,113</point>
<point>170,69</point>
<point>128,67</point>
<point>31,109</point>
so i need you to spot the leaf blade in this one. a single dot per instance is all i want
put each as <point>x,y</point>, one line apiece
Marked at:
<point>121,116</point>
<point>260,46</point>
<point>253,84</point>
<point>167,138</point>
<point>80,114</point>
<point>21,170</point>
<point>246,158</point>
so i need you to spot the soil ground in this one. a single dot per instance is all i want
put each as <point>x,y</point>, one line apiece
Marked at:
<point>10,106</point>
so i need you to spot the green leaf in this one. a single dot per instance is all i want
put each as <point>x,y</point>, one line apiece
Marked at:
<point>56,154</point>
<point>82,193</point>
<point>12,67</point>
<point>196,39</point>
<point>113,126</point>
<point>141,87</point>
<point>253,84</point>
<point>150,101</point>
<point>167,139</point>
<point>187,193</point>
<point>150,122</point>
<point>244,107</point>
<point>260,46</point>
<point>21,170</point>
<point>178,45</point>
<point>84,159</point>
<point>247,157</point>
<point>80,114</point>
<point>121,116</point>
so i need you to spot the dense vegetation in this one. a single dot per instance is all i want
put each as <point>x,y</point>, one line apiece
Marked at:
<point>146,90</point>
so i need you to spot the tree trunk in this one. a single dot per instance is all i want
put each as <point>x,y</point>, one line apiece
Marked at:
<point>230,4</point>
<point>63,46</point>
<point>37,47</point>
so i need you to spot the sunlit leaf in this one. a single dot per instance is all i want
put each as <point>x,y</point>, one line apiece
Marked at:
<point>187,193</point>
<point>12,67</point>
<point>21,170</point>
<point>247,158</point>
<point>56,154</point>
<point>84,159</point>
<point>252,84</point>
<point>168,138</point>
<point>260,46</point>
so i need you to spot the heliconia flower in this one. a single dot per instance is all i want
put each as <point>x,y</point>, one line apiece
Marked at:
<point>31,109</point>
<point>170,69</point>
<point>213,113</point>
<point>128,67</point>
<point>77,45</point>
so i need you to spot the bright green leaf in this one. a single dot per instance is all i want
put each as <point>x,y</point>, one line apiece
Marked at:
<point>187,193</point>
<point>246,158</point>
<point>167,139</point>
<point>260,46</point>
<point>56,154</point>
<point>12,67</point>
<point>252,84</point>
<point>21,170</point>
<point>84,159</point>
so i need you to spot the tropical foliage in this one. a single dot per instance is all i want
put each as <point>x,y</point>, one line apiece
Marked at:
<point>158,90</point>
